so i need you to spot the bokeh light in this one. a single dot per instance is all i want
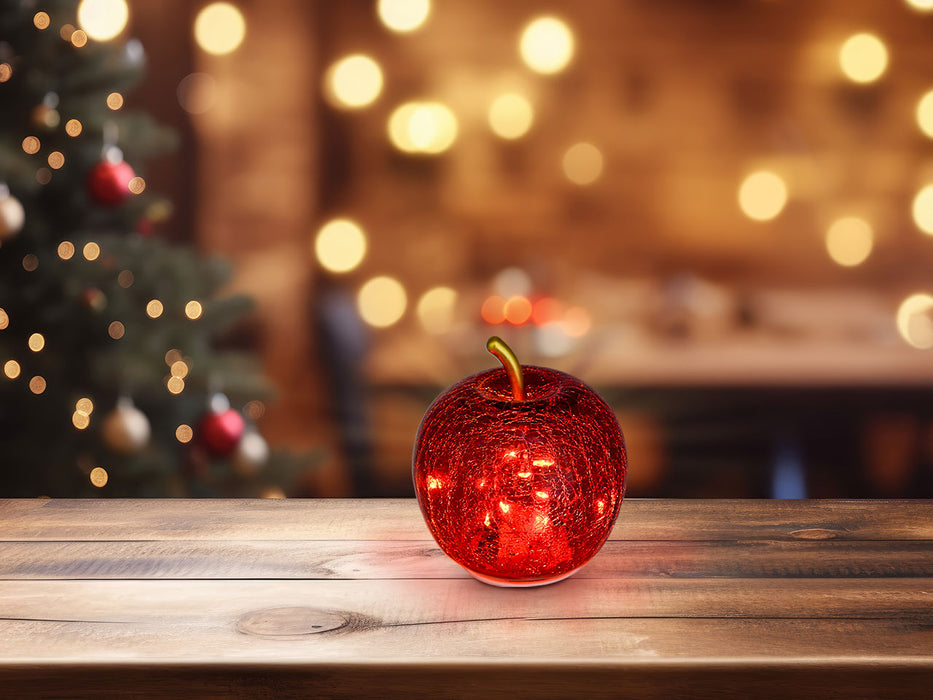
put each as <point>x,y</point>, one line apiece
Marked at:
<point>923,209</point>
<point>80,420</point>
<point>219,28</point>
<point>546,45</point>
<point>175,385</point>
<point>197,93</point>
<point>116,330</point>
<point>511,116</point>
<point>403,15</point>
<point>30,262</point>
<point>577,322</point>
<point>115,101</point>
<point>126,278</point>
<point>915,321</point>
<point>863,58</point>
<point>179,369</point>
<point>41,20</point>
<point>37,384</point>
<point>31,145</point>
<point>4,319</point>
<point>6,72</point>
<point>85,405</point>
<point>353,82</point>
<point>36,342</point>
<point>849,241</point>
<point>193,310</point>
<point>517,310</point>
<point>154,308</point>
<point>382,301</point>
<point>99,477</point>
<point>924,114</point>
<point>11,369</point>
<point>423,127</point>
<point>66,250</point>
<point>762,195</point>
<point>436,309</point>
<point>493,310</point>
<point>73,127</point>
<point>103,19</point>
<point>184,433</point>
<point>91,251</point>
<point>340,245</point>
<point>56,160</point>
<point>921,5</point>
<point>583,163</point>
<point>136,185</point>
<point>78,38</point>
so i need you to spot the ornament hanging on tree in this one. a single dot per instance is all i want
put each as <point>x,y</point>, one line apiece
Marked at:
<point>12,215</point>
<point>108,182</point>
<point>221,428</point>
<point>251,454</point>
<point>126,429</point>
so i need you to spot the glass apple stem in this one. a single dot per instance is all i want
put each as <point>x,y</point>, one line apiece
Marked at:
<point>504,354</point>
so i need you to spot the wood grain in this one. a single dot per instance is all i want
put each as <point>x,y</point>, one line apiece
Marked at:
<point>381,559</point>
<point>354,599</point>
<point>399,519</point>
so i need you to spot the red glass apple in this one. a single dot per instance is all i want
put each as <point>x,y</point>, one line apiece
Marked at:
<point>519,472</point>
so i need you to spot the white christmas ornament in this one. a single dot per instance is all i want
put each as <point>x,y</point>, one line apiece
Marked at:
<point>12,215</point>
<point>251,454</point>
<point>126,429</point>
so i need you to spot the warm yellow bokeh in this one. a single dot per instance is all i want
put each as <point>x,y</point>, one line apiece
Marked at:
<point>511,116</point>
<point>219,28</point>
<point>849,241</point>
<point>382,301</point>
<point>546,45</point>
<point>762,195</point>
<point>863,58</point>
<point>353,82</point>
<point>403,15</point>
<point>340,245</point>
<point>583,163</point>
<point>423,127</point>
<point>914,321</point>
<point>436,309</point>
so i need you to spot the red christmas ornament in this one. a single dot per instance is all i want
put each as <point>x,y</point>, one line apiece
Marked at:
<point>220,431</point>
<point>519,472</point>
<point>108,182</point>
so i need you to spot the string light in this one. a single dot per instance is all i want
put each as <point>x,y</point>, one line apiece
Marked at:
<point>103,19</point>
<point>37,385</point>
<point>137,185</point>
<point>172,356</point>
<point>73,127</point>
<point>126,278</point>
<point>583,164</point>
<point>43,176</point>
<point>436,309</point>
<point>924,113</point>
<point>116,330</point>
<point>85,405</point>
<point>863,58</point>
<point>30,262</point>
<point>175,385</point>
<point>382,301</point>
<point>546,45</point>
<point>914,322</point>
<point>31,145</point>
<point>849,241</point>
<point>36,342</point>
<point>99,477</point>
<point>179,369</point>
<point>762,195</point>
<point>193,310</point>
<point>4,319</point>
<point>921,5</point>
<point>114,101</point>
<point>353,82</point>
<point>403,15</point>
<point>510,116</point>
<point>91,251</point>
<point>184,433</point>
<point>219,28</point>
<point>6,72</point>
<point>56,160</point>
<point>154,308</point>
<point>66,250</point>
<point>340,245</point>
<point>79,38</point>
<point>66,31</point>
<point>80,420</point>
<point>41,20</point>
<point>11,369</point>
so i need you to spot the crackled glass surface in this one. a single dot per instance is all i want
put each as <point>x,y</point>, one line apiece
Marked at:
<point>520,493</point>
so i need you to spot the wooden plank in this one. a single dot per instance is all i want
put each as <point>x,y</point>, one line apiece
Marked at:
<point>762,679</point>
<point>77,621</point>
<point>399,519</point>
<point>346,559</point>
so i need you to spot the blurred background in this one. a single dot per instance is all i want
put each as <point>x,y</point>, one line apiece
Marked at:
<point>718,214</point>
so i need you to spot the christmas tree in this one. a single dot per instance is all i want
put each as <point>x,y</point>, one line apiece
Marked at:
<point>111,380</point>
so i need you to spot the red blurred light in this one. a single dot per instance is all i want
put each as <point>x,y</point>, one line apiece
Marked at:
<point>517,310</point>
<point>546,310</point>
<point>493,310</point>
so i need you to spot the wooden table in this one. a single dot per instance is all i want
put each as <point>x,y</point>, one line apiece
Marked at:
<point>349,598</point>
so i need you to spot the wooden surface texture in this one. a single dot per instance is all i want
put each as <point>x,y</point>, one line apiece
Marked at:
<point>343,598</point>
